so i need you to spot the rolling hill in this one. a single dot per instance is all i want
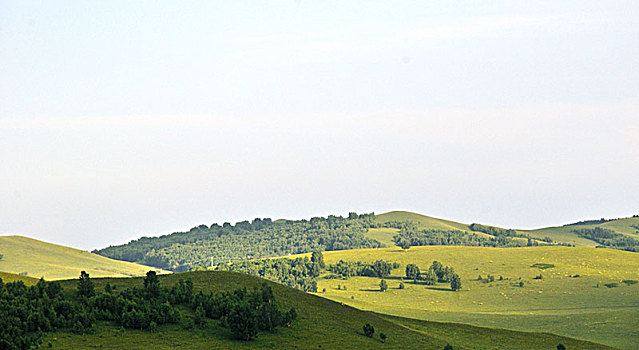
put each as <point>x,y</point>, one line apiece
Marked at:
<point>29,257</point>
<point>321,323</point>
<point>562,234</point>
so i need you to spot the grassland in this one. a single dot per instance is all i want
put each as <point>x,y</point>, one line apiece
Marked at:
<point>580,307</point>
<point>22,255</point>
<point>321,324</point>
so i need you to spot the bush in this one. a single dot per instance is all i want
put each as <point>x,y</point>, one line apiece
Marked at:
<point>383,286</point>
<point>368,330</point>
<point>382,336</point>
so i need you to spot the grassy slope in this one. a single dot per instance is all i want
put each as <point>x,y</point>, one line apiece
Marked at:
<point>51,261</point>
<point>321,322</point>
<point>558,303</point>
<point>10,277</point>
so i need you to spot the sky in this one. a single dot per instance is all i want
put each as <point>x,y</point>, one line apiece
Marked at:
<point>124,119</point>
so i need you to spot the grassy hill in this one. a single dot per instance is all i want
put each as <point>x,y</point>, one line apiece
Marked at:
<point>597,305</point>
<point>321,324</point>
<point>33,258</point>
<point>561,234</point>
<point>565,233</point>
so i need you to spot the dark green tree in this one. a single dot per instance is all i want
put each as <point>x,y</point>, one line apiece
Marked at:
<point>318,257</point>
<point>455,282</point>
<point>368,330</point>
<point>383,286</point>
<point>429,278</point>
<point>561,347</point>
<point>85,286</point>
<point>382,336</point>
<point>412,271</point>
<point>242,321</point>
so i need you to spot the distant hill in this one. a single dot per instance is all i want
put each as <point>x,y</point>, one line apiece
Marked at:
<point>321,323</point>
<point>628,227</point>
<point>203,245</point>
<point>29,257</point>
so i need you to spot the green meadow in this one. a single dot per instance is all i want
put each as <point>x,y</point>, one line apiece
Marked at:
<point>585,293</point>
<point>33,258</point>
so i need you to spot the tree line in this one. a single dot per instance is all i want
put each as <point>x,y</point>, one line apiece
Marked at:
<point>435,273</point>
<point>609,238</point>
<point>26,313</point>
<point>302,273</point>
<point>407,238</point>
<point>260,238</point>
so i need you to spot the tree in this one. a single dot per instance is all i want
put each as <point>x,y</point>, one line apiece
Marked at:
<point>383,286</point>
<point>430,278</point>
<point>368,330</point>
<point>85,286</point>
<point>401,285</point>
<point>412,271</point>
<point>152,284</point>
<point>318,257</point>
<point>382,336</point>
<point>242,321</point>
<point>561,347</point>
<point>455,282</point>
<point>448,347</point>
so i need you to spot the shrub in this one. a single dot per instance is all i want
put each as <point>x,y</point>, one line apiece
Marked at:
<point>542,266</point>
<point>368,330</point>
<point>382,336</point>
<point>383,286</point>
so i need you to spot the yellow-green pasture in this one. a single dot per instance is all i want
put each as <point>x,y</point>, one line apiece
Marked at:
<point>33,258</point>
<point>581,307</point>
<point>11,277</point>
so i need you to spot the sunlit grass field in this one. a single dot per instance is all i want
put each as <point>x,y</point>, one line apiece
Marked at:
<point>321,323</point>
<point>582,307</point>
<point>33,258</point>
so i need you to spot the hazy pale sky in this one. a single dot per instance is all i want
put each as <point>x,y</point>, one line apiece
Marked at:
<point>121,119</point>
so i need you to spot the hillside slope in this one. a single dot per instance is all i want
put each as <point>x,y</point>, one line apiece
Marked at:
<point>22,255</point>
<point>321,323</point>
